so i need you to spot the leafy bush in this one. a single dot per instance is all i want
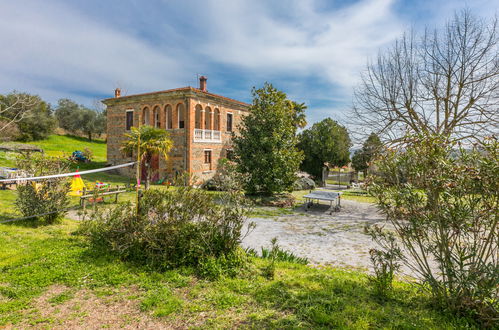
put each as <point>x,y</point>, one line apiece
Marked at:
<point>226,178</point>
<point>442,201</point>
<point>179,227</point>
<point>304,184</point>
<point>46,196</point>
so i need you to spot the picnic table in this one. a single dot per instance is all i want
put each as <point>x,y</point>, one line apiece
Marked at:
<point>324,195</point>
<point>12,174</point>
<point>96,194</point>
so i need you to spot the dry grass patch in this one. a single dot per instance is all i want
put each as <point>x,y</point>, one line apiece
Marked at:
<point>61,307</point>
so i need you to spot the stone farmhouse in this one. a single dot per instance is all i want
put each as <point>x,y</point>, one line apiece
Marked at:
<point>200,124</point>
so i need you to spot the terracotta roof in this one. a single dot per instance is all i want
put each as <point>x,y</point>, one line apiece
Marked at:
<point>188,88</point>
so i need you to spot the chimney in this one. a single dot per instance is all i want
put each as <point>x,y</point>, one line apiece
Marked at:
<point>117,92</point>
<point>202,83</point>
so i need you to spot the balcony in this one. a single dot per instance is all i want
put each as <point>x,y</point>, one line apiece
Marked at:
<point>207,135</point>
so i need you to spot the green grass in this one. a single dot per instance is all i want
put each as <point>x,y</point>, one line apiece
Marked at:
<point>60,145</point>
<point>34,259</point>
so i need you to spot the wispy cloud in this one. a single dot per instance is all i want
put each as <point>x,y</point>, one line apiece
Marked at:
<point>50,47</point>
<point>313,49</point>
<point>299,40</point>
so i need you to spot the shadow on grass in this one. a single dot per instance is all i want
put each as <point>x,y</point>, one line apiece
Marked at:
<point>344,300</point>
<point>85,139</point>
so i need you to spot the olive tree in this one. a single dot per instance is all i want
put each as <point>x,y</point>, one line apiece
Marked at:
<point>16,106</point>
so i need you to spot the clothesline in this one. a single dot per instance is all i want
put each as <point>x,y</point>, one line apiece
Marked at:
<point>68,174</point>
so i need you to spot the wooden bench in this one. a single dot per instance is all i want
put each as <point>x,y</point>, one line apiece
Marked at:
<point>100,193</point>
<point>323,195</point>
<point>4,185</point>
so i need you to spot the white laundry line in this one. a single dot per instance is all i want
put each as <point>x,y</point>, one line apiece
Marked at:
<point>68,174</point>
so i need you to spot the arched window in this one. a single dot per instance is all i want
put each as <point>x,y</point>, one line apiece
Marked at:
<point>145,116</point>
<point>168,117</point>
<point>181,115</point>
<point>207,118</point>
<point>216,120</point>
<point>155,116</point>
<point>198,116</point>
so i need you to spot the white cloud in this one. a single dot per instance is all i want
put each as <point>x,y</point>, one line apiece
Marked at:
<point>310,48</point>
<point>303,40</point>
<point>51,44</point>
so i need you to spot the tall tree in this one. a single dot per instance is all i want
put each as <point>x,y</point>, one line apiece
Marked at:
<point>265,147</point>
<point>444,82</point>
<point>147,141</point>
<point>362,157</point>
<point>325,142</point>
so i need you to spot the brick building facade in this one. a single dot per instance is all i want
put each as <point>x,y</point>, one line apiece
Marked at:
<point>200,125</point>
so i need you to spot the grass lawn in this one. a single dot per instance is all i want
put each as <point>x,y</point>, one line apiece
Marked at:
<point>50,277</point>
<point>60,145</point>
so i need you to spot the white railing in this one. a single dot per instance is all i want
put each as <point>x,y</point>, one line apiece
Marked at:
<point>207,135</point>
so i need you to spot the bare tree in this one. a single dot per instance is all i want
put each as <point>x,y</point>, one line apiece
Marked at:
<point>445,81</point>
<point>15,107</point>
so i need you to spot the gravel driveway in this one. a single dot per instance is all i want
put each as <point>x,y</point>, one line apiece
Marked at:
<point>328,239</point>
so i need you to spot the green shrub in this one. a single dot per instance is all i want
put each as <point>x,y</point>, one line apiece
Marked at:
<point>443,202</point>
<point>304,184</point>
<point>43,196</point>
<point>178,227</point>
<point>226,178</point>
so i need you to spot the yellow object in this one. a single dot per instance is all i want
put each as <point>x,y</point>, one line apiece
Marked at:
<point>36,186</point>
<point>77,186</point>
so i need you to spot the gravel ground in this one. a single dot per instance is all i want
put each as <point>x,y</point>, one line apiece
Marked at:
<point>325,239</point>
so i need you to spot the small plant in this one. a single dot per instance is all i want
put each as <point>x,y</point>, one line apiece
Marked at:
<point>88,154</point>
<point>283,255</point>
<point>47,198</point>
<point>269,270</point>
<point>385,262</point>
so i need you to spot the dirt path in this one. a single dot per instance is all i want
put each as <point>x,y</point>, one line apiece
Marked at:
<point>330,239</point>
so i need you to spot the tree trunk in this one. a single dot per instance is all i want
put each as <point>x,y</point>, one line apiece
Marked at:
<point>148,171</point>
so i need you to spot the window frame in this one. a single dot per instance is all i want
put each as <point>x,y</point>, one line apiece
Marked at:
<point>207,154</point>
<point>127,127</point>
<point>231,115</point>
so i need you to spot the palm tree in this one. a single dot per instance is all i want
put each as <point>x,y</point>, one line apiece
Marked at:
<point>148,141</point>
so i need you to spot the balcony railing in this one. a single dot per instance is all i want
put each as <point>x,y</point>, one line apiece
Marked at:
<point>207,135</point>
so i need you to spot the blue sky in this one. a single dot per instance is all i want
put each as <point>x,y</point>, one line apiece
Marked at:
<point>314,50</point>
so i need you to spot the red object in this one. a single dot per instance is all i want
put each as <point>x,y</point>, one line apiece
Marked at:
<point>77,175</point>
